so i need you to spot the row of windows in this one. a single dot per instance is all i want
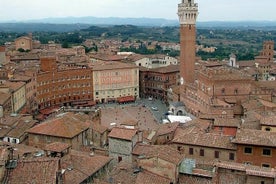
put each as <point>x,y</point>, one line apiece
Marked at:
<point>112,92</point>
<point>48,103</point>
<point>64,79</point>
<point>65,95</point>
<point>265,151</point>
<point>59,88</point>
<point>114,73</point>
<point>216,154</point>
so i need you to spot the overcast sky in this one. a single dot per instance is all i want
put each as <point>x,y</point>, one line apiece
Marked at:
<point>210,10</point>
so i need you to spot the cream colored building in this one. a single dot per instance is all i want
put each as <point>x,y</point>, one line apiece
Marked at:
<point>18,94</point>
<point>112,80</point>
<point>24,42</point>
<point>156,61</point>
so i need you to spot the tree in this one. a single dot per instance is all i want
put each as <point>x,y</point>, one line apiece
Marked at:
<point>65,45</point>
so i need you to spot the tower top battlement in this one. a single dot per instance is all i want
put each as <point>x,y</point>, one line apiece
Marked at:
<point>187,12</point>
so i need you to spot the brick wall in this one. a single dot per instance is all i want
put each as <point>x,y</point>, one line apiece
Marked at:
<point>256,158</point>
<point>209,153</point>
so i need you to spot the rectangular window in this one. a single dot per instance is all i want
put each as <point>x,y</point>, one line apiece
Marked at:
<point>267,152</point>
<point>266,165</point>
<point>248,150</point>
<point>191,151</point>
<point>201,152</point>
<point>120,158</point>
<point>231,156</point>
<point>216,154</point>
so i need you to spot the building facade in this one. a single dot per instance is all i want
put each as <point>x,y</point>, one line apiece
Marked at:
<point>113,80</point>
<point>24,42</point>
<point>156,82</point>
<point>256,147</point>
<point>122,142</point>
<point>156,61</point>
<point>65,128</point>
<point>18,95</point>
<point>66,87</point>
<point>2,55</point>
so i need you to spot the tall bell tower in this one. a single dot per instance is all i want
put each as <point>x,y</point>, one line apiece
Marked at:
<point>187,13</point>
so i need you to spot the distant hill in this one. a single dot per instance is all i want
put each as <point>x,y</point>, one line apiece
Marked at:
<point>107,21</point>
<point>67,24</point>
<point>40,27</point>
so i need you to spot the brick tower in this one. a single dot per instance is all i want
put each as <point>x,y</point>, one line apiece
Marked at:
<point>187,12</point>
<point>268,50</point>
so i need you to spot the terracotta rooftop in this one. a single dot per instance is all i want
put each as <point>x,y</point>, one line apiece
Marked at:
<point>193,136</point>
<point>252,105</point>
<point>42,170</point>
<point>65,125</point>
<point>121,173</point>
<point>251,121</point>
<point>227,122</point>
<point>120,115</point>
<point>167,128</point>
<point>122,133</point>
<point>224,73</point>
<point>249,169</point>
<point>270,121</point>
<point>21,127</point>
<point>57,147</point>
<point>20,78</point>
<point>267,103</point>
<point>79,166</point>
<point>164,152</point>
<point>146,177</point>
<point>99,128</point>
<point>20,150</point>
<point>14,86</point>
<point>255,137</point>
<point>111,65</point>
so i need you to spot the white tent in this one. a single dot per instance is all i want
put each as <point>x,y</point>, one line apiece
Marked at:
<point>180,119</point>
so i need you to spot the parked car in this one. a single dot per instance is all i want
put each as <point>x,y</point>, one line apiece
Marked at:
<point>154,108</point>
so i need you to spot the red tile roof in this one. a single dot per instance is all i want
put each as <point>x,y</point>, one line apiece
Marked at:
<point>122,133</point>
<point>57,146</point>
<point>146,177</point>
<point>268,104</point>
<point>79,166</point>
<point>164,152</point>
<point>167,128</point>
<point>34,171</point>
<point>99,128</point>
<point>66,125</point>
<point>20,128</point>
<point>249,169</point>
<point>14,86</point>
<point>193,136</point>
<point>270,121</point>
<point>227,122</point>
<point>255,137</point>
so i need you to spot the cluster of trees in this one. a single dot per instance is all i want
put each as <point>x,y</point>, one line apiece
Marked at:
<point>245,43</point>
